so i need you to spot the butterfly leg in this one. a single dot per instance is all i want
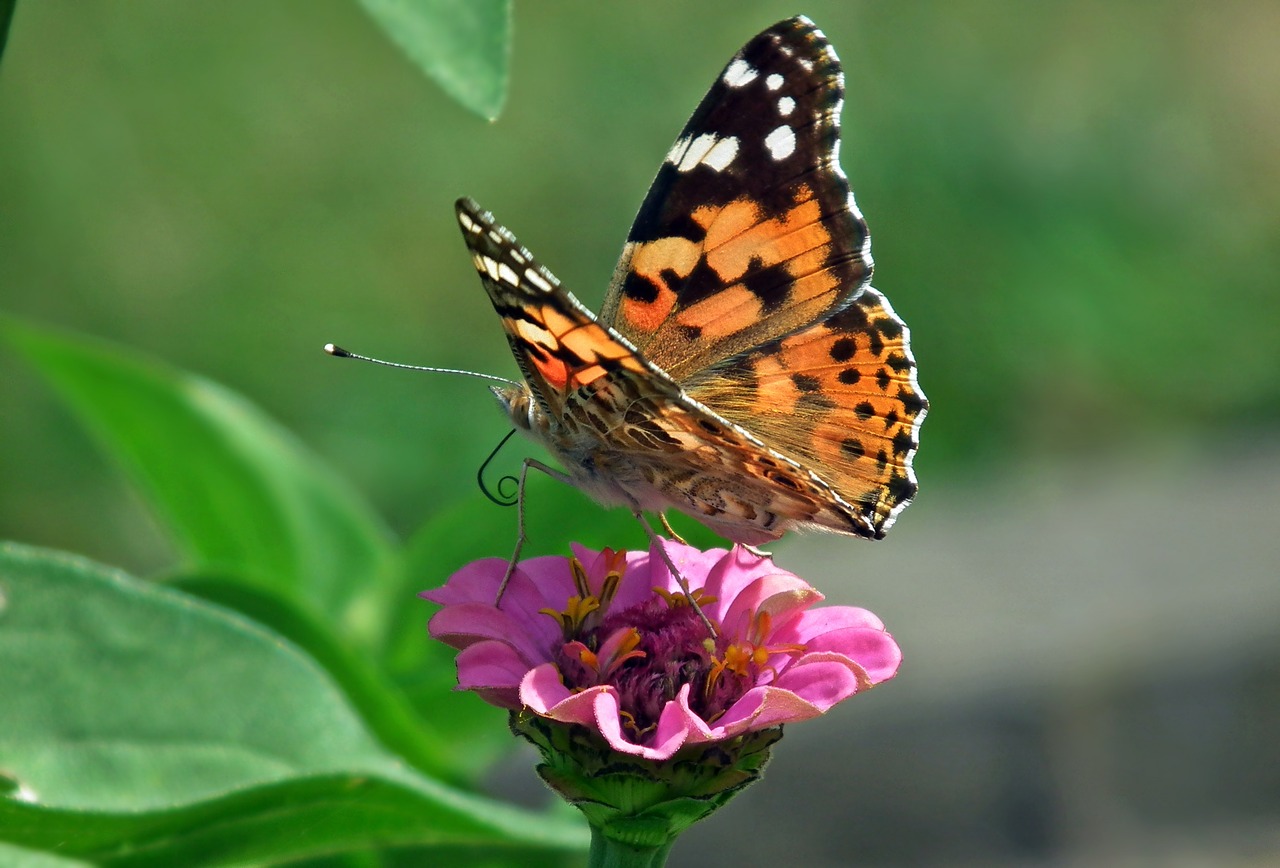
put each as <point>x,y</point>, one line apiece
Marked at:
<point>561,476</point>
<point>671,531</point>
<point>655,538</point>
<point>521,536</point>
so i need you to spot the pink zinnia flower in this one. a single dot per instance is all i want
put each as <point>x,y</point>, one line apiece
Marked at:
<point>608,641</point>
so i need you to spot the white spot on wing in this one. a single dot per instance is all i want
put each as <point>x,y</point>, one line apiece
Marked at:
<point>677,152</point>
<point>773,82</point>
<point>508,274</point>
<point>781,142</point>
<point>490,266</point>
<point>708,150</point>
<point>537,280</point>
<point>786,105</point>
<point>722,154</point>
<point>738,73</point>
<point>696,151</point>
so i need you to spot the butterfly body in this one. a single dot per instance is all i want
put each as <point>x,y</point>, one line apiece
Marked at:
<point>742,371</point>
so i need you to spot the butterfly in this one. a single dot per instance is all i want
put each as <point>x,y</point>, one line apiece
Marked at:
<point>742,370</point>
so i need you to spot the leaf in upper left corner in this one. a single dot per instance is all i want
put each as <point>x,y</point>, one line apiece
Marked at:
<point>462,45</point>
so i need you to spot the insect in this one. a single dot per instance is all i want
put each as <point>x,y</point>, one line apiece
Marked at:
<point>742,370</point>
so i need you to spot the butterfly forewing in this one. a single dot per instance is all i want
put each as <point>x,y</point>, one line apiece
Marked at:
<point>749,231</point>
<point>557,342</point>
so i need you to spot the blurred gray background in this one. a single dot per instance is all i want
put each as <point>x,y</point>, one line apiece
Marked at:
<point>1075,207</point>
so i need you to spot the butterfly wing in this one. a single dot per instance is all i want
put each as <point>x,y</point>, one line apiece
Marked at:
<point>840,396</point>
<point>559,344</point>
<point>626,431</point>
<point>742,370</point>
<point>749,231</point>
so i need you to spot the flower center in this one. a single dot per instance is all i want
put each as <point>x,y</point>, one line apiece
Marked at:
<point>649,651</point>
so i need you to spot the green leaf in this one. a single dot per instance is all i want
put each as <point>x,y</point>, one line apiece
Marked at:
<point>20,857</point>
<point>389,716</point>
<point>239,492</point>
<point>145,727</point>
<point>462,45</point>
<point>6,18</point>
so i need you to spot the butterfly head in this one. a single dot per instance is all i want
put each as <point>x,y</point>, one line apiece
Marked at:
<point>518,403</point>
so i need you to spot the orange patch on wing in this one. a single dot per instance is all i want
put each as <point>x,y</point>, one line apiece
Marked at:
<point>774,392</point>
<point>738,240</point>
<point>725,224</point>
<point>551,367</point>
<point>728,312</point>
<point>649,261</point>
<point>815,285</point>
<point>827,449</point>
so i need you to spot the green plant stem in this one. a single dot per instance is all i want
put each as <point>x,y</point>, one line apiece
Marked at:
<point>609,852</point>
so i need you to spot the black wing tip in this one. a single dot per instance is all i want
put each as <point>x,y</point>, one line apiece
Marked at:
<point>794,23</point>
<point>798,26</point>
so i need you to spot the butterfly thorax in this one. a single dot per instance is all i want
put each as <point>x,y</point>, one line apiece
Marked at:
<point>581,447</point>
<point>595,448</point>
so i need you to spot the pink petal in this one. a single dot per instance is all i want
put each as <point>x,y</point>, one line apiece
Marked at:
<point>671,734</point>
<point>782,595</point>
<point>637,582</point>
<point>675,725</point>
<point>597,707</point>
<point>477,582</point>
<point>735,570</point>
<point>542,690</point>
<point>873,650</point>
<point>463,624</point>
<point>761,708</point>
<point>693,564</point>
<point>821,679</point>
<point>815,622</point>
<point>493,670</point>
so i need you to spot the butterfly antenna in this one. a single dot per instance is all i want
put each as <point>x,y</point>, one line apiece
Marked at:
<point>500,499</point>
<point>335,350</point>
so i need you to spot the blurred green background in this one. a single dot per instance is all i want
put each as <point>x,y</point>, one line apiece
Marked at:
<point>1076,208</point>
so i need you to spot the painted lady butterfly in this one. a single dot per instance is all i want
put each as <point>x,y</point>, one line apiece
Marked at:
<point>742,371</point>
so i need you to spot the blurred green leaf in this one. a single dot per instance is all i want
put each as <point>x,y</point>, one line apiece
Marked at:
<point>20,857</point>
<point>462,45</point>
<point>239,492</point>
<point>385,710</point>
<point>6,18</point>
<point>145,727</point>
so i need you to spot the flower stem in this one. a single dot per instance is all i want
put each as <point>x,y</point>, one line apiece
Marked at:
<point>609,852</point>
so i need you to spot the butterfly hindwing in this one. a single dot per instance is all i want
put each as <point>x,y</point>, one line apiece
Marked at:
<point>840,396</point>
<point>749,231</point>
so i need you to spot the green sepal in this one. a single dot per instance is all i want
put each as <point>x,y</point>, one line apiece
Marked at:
<point>638,802</point>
